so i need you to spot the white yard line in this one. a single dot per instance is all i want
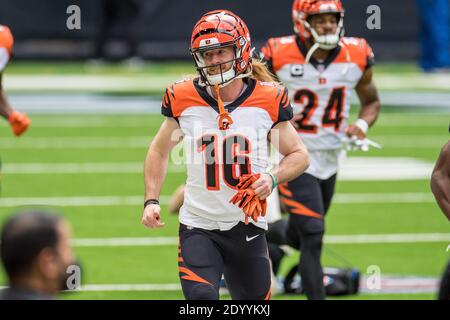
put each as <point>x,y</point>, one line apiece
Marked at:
<point>343,198</point>
<point>88,83</point>
<point>388,238</point>
<point>103,121</point>
<point>80,168</point>
<point>86,104</point>
<point>407,197</point>
<point>77,201</point>
<point>124,142</point>
<point>353,168</point>
<point>329,239</point>
<point>132,287</point>
<point>380,168</point>
<point>394,89</point>
<point>391,285</point>
<point>73,168</point>
<point>88,142</point>
<point>407,81</point>
<point>128,287</point>
<point>125,242</point>
<point>87,121</point>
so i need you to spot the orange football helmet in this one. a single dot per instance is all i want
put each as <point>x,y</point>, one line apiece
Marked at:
<point>303,9</point>
<point>218,29</point>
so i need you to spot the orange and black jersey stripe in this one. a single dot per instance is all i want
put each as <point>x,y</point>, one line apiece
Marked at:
<point>281,51</point>
<point>271,97</point>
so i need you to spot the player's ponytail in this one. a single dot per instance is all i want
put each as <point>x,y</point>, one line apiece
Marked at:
<point>260,71</point>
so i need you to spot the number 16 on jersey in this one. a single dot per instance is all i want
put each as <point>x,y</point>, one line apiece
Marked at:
<point>228,162</point>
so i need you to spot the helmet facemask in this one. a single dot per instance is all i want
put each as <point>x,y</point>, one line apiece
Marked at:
<point>327,41</point>
<point>225,76</point>
<point>220,29</point>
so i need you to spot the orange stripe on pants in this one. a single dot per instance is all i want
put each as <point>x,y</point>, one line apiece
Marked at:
<point>284,190</point>
<point>300,209</point>
<point>191,276</point>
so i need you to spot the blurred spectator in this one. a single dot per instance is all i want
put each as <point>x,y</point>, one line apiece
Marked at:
<point>35,253</point>
<point>115,11</point>
<point>434,33</point>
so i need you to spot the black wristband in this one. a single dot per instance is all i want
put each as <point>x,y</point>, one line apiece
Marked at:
<point>151,201</point>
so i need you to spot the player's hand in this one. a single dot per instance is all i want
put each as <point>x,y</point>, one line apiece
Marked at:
<point>19,122</point>
<point>353,130</point>
<point>246,197</point>
<point>263,186</point>
<point>151,217</point>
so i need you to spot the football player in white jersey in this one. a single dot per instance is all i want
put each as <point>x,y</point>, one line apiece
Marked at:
<point>226,117</point>
<point>320,68</point>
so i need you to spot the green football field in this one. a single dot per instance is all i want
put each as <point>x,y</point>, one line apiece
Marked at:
<point>88,168</point>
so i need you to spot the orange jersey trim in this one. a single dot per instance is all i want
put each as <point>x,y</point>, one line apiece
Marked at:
<point>283,51</point>
<point>268,96</point>
<point>182,95</point>
<point>354,50</point>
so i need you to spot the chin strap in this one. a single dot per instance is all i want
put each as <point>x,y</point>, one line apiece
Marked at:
<point>311,52</point>
<point>225,120</point>
<point>316,46</point>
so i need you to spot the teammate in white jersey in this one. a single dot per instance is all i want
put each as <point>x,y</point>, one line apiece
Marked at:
<point>226,117</point>
<point>320,68</point>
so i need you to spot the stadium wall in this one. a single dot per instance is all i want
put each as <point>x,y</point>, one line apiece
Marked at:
<point>161,28</point>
